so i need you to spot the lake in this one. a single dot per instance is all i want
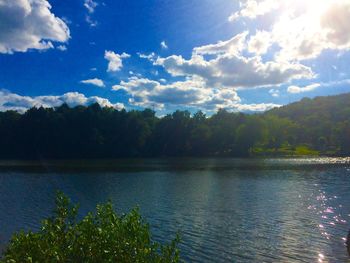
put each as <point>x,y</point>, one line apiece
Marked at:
<point>227,210</point>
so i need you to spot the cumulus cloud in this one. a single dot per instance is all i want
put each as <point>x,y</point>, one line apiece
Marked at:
<point>192,92</point>
<point>296,89</point>
<point>29,24</point>
<point>235,71</point>
<point>260,43</point>
<point>239,63</point>
<point>302,30</point>
<point>271,56</point>
<point>12,101</point>
<point>215,73</point>
<point>299,38</point>
<point>336,21</point>
<point>95,81</point>
<point>188,93</point>
<point>115,61</point>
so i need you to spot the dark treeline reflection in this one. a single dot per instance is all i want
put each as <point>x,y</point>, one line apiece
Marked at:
<point>319,126</point>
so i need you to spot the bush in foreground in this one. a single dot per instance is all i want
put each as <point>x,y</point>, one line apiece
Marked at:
<point>102,236</point>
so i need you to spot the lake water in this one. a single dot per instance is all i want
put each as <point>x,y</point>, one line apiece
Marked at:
<point>227,210</point>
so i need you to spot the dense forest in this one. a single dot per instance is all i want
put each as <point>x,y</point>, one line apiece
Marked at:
<point>319,126</point>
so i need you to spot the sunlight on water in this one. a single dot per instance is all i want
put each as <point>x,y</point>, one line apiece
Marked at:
<point>227,210</point>
<point>320,257</point>
<point>310,161</point>
<point>332,220</point>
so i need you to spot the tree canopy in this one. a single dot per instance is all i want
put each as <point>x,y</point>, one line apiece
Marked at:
<point>318,126</point>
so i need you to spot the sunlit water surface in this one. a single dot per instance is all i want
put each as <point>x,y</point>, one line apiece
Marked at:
<point>227,210</point>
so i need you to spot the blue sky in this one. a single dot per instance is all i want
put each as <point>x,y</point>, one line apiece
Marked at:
<point>186,54</point>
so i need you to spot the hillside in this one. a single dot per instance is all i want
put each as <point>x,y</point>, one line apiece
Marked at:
<point>324,122</point>
<point>332,109</point>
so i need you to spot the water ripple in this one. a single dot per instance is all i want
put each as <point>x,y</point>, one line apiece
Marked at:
<point>299,212</point>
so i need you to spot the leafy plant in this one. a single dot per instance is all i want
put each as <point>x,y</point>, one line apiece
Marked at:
<point>103,236</point>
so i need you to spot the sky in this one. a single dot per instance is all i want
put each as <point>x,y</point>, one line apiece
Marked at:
<point>249,55</point>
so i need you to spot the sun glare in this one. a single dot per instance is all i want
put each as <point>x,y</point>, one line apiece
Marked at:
<point>313,9</point>
<point>299,28</point>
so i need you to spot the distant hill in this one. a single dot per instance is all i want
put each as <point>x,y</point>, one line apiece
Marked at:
<point>325,121</point>
<point>330,108</point>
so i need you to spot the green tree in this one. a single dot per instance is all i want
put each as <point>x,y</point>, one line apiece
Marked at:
<point>200,135</point>
<point>344,137</point>
<point>250,133</point>
<point>279,130</point>
<point>103,236</point>
<point>104,132</point>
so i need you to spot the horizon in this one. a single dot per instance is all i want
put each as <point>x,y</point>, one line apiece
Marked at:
<point>192,113</point>
<point>247,56</point>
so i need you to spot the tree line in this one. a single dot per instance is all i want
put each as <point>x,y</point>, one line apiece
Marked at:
<point>318,126</point>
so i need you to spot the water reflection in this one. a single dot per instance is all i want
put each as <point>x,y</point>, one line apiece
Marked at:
<point>227,210</point>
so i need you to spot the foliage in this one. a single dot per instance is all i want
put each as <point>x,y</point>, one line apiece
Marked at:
<point>323,124</point>
<point>103,236</point>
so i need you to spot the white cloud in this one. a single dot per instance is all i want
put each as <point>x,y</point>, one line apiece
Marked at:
<point>12,101</point>
<point>29,24</point>
<point>260,42</point>
<point>163,45</point>
<point>150,57</point>
<point>90,5</point>
<point>115,61</point>
<point>90,21</point>
<point>192,92</point>
<point>298,37</point>
<point>296,89</point>
<point>225,65</point>
<point>303,29</point>
<point>274,93</point>
<point>235,71</point>
<point>336,21</point>
<point>270,57</point>
<point>252,9</point>
<point>260,107</point>
<point>331,84</point>
<point>97,82</point>
<point>132,73</point>
<point>189,93</point>
<point>103,102</point>
<point>232,46</point>
<point>215,70</point>
<point>62,47</point>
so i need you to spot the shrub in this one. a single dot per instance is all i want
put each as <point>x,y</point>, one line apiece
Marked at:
<point>102,236</point>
